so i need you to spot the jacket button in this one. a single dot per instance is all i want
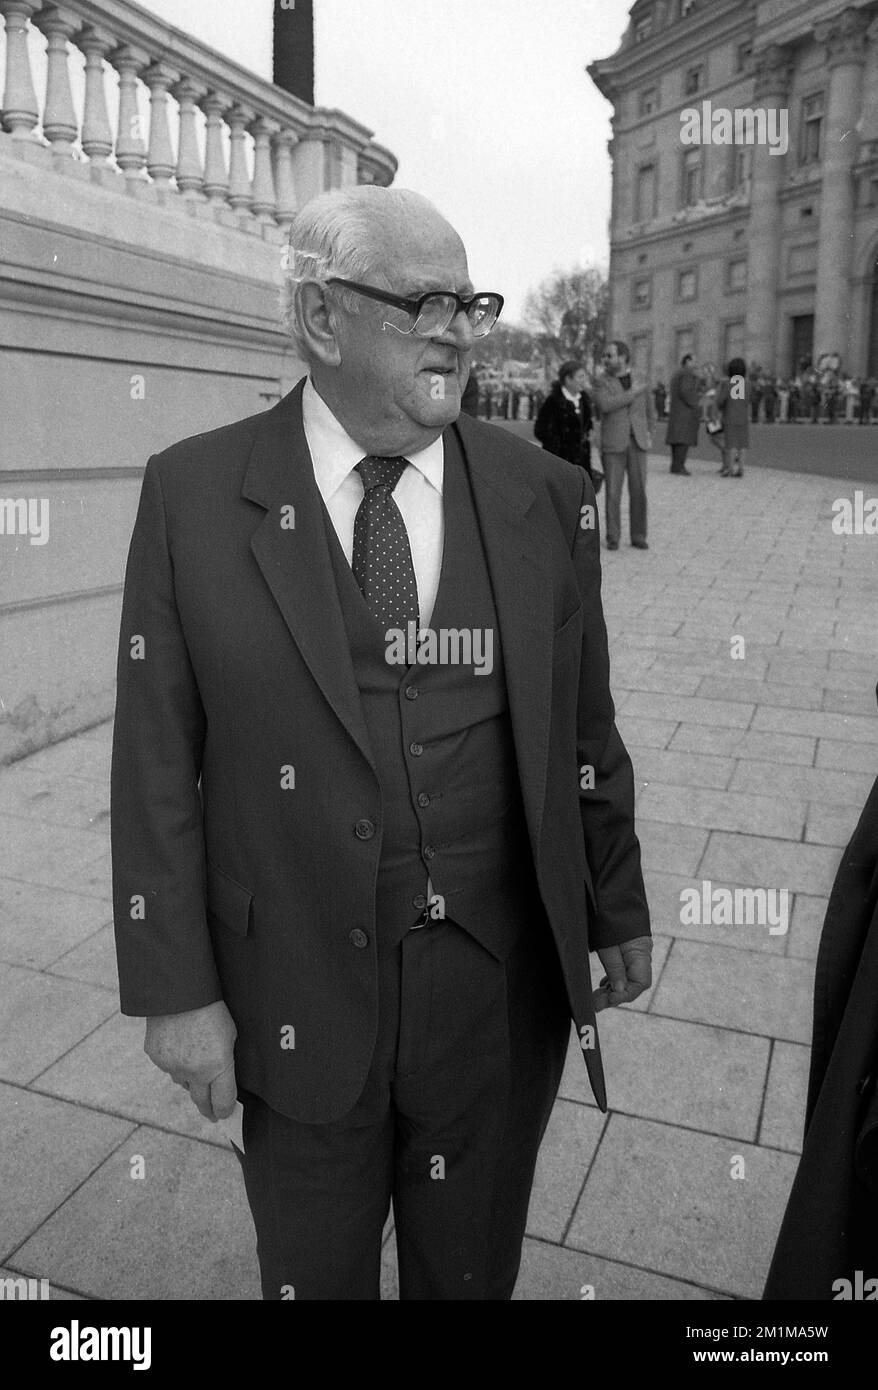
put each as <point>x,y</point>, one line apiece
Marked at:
<point>419,901</point>
<point>429,851</point>
<point>416,749</point>
<point>364,829</point>
<point>412,692</point>
<point>359,938</point>
<point>423,799</point>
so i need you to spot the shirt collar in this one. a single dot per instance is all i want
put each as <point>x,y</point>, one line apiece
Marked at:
<point>571,396</point>
<point>335,454</point>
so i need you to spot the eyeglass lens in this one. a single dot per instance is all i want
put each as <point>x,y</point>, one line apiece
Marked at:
<point>438,311</point>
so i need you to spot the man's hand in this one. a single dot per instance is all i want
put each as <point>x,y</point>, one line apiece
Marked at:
<point>629,973</point>
<point>197,1050</point>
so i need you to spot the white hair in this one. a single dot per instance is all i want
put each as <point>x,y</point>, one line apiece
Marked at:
<point>335,234</point>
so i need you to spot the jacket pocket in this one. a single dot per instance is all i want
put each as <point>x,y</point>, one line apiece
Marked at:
<point>228,901</point>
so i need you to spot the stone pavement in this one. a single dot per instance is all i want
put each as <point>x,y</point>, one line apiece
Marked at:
<point>750,772</point>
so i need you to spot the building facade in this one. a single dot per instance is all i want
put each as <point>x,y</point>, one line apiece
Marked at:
<point>725,246</point>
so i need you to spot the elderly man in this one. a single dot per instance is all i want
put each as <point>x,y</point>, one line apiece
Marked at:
<point>370,806</point>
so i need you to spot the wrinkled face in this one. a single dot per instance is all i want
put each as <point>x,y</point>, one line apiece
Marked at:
<point>399,390</point>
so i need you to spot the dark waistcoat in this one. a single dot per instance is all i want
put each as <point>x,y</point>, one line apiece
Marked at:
<point>442,742</point>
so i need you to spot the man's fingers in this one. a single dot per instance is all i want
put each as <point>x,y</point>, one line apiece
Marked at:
<point>224,1093</point>
<point>200,1094</point>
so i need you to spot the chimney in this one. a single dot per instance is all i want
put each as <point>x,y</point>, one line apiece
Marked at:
<point>294,47</point>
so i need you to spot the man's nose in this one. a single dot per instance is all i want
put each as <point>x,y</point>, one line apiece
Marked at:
<point>459,332</point>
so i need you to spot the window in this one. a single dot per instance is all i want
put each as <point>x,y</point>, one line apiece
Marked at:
<point>686,7</point>
<point>687,284</point>
<point>740,171</point>
<point>684,341</point>
<point>693,172</point>
<point>643,28</point>
<point>645,206</point>
<point>736,276</point>
<point>743,56</point>
<point>641,292</point>
<point>734,340</point>
<point>647,101</point>
<point>811,129</point>
<point>693,80</point>
<point>642,258</point>
<point>641,355</point>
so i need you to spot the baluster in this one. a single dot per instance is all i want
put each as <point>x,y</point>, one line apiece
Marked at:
<point>130,145</point>
<point>190,178</point>
<point>264,203</point>
<point>216,178</point>
<point>97,134</point>
<point>285,191</point>
<point>160,162</point>
<point>20,110</point>
<point>60,125</point>
<point>240,196</point>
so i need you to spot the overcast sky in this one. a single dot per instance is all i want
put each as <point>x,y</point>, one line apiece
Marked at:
<point>502,129</point>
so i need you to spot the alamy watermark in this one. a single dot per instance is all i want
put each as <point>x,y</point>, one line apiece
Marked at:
<point>444,646</point>
<point>738,907</point>
<point>25,516</point>
<point>720,125</point>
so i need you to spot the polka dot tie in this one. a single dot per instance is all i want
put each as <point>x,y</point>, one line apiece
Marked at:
<point>382,557</point>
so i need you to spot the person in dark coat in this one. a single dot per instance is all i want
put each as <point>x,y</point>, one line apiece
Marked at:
<point>829,1233</point>
<point>732,405</point>
<point>564,421</point>
<point>684,414</point>
<point>660,396</point>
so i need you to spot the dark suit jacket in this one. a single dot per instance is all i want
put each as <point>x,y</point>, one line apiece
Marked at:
<point>257,893</point>
<point>830,1227</point>
<point>562,430</point>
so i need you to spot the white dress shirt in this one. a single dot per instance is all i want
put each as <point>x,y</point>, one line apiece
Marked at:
<point>418,494</point>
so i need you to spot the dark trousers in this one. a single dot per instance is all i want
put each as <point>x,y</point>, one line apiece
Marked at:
<point>679,453</point>
<point>467,1064</point>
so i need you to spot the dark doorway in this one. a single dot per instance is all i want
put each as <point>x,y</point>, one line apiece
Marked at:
<point>872,368</point>
<point>802,341</point>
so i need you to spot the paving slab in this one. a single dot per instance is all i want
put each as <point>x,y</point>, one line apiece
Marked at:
<point>31,1289</point>
<point>806,925</point>
<point>49,1148</point>
<point>747,991</point>
<point>671,848</point>
<point>73,801</point>
<point>53,856</point>
<point>668,893</point>
<point>93,960</point>
<point>738,743</point>
<point>41,924</point>
<point>760,862</point>
<point>182,1231</point>
<point>680,769</point>
<point>783,1121</point>
<point>42,1017</point>
<point>567,1149</point>
<point>687,1074</point>
<point>663,1199</point>
<point>779,818</point>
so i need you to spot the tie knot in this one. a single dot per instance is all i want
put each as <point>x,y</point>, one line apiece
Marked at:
<point>381,472</point>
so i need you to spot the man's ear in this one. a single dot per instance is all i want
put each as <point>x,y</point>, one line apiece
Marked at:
<point>318,323</point>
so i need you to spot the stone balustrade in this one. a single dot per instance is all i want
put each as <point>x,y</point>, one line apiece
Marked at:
<point>215,133</point>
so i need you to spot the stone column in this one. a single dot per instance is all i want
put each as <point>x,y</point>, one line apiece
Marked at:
<point>845,40</point>
<point>20,110</point>
<point>216,178</point>
<point>160,162</point>
<point>308,167</point>
<point>60,126</point>
<point>767,171</point>
<point>240,194</point>
<point>264,201</point>
<point>284,186</point>
<point>130,145</point>
<point>97,134</point>
<point>190,177</point>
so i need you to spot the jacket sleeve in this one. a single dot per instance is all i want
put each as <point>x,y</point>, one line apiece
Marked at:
<point>607,401</point>
<point>612,849</point>
<point>546,426</point>
<point>163,947</point>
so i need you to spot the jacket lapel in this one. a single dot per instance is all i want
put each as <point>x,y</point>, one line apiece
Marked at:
<point>295,560</point>
<point>523,596</point>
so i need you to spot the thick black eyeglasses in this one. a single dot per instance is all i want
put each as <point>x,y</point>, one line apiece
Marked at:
<point>433,312</point>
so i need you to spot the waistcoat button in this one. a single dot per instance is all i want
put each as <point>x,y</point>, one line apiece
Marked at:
<point>412,692</point>
<point>359,938</point>
<point>423,799</point>
<point>416,749</point>
<point>364,829</point>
